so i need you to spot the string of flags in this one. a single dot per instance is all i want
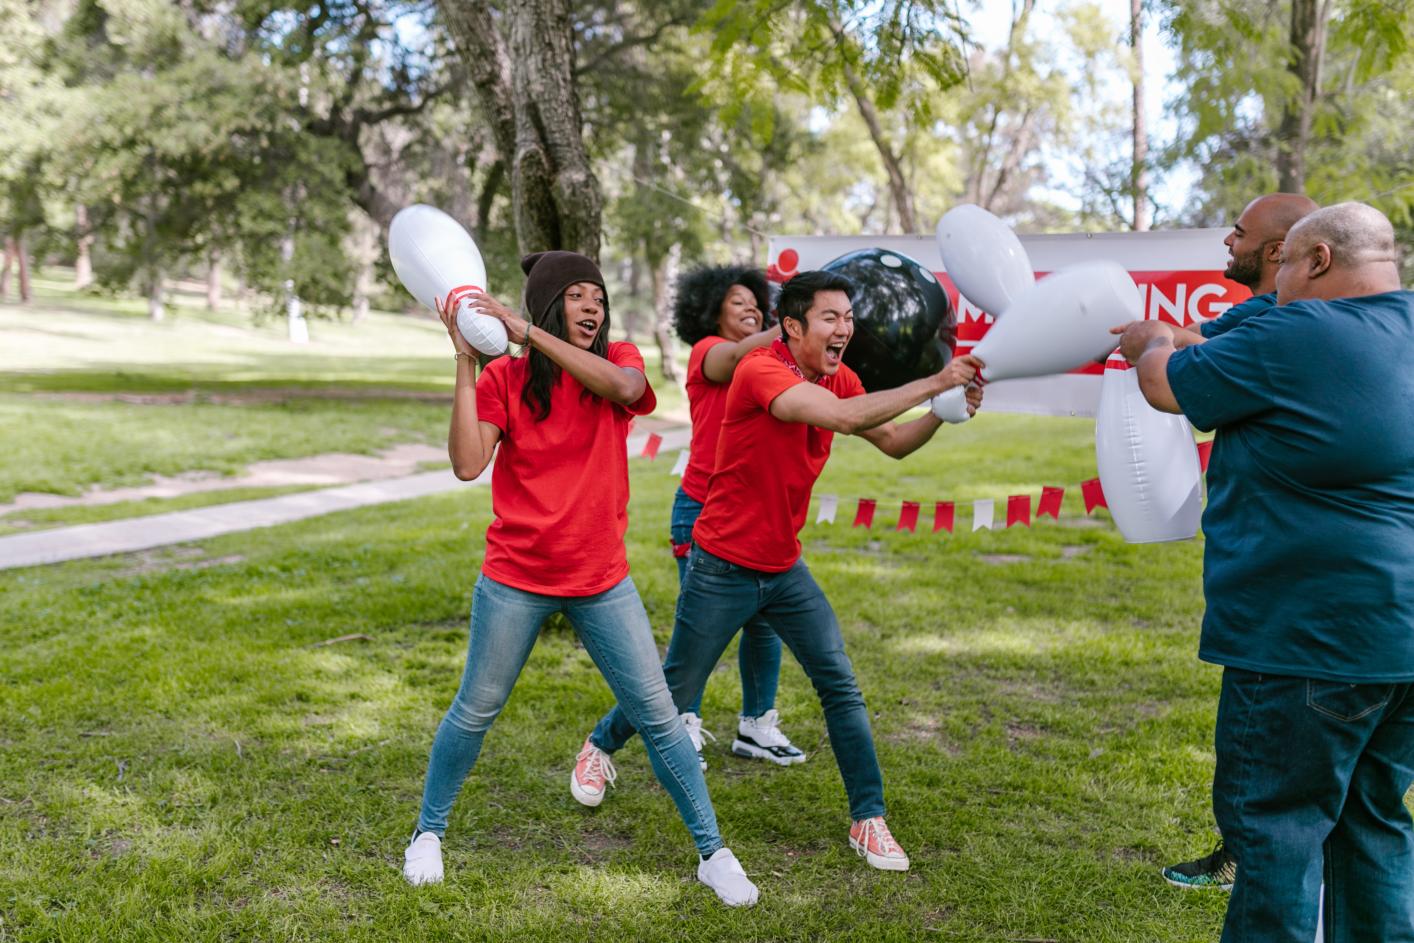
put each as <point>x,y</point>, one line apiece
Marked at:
<point>1018,507</point>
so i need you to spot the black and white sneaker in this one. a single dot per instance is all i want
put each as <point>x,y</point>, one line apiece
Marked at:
<point>760,738</point>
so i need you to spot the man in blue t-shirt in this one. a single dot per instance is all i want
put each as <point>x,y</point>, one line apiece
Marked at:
<point>1253,257</point>
<point>1308,573</point>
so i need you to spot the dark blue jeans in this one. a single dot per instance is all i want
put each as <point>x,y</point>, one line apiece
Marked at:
<point>716,598</point>
<point>759,655</point>
<point>1310,784</point>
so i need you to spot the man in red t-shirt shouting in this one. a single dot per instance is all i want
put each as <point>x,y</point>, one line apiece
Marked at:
<point>785,404</point>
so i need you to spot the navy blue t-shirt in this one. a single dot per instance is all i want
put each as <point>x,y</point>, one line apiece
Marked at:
<point>1308,567</point>
<point>1235,315</point>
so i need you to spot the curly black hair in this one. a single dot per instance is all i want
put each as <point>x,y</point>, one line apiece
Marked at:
<point>700,294</point>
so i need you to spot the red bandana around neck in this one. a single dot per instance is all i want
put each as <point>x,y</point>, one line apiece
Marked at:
<point>782,352</point>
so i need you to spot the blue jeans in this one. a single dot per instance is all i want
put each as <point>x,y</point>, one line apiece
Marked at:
<point>1310,785</point>
<point>716,598</point>
<point>759,655</point>
<point>614,629</point>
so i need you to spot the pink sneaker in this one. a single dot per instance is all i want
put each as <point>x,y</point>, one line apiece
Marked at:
<point>593,774</point>
<point>871,838</point>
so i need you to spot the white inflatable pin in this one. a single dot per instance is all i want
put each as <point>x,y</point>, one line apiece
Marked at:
<point>983,258</point>
<point>435,258</point>
<point>1147,460</point>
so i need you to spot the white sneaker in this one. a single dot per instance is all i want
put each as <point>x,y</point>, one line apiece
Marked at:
<point>723,874</point>
<point>422,862</point>
<point>760,738</point>
<point>592,775</point>
<point>697,734</point>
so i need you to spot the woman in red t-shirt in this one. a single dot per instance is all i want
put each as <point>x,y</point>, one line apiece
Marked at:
<point>559,416</point>
<point>722,313</point>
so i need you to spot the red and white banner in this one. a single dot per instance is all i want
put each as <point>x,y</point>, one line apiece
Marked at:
<point>1179,274</point>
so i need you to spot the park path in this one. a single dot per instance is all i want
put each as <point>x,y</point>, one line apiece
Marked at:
<point>143,533</point>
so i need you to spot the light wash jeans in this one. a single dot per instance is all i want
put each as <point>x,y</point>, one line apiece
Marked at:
<point>716,598</point>
<point>615,631</point>
<point>759,655</point>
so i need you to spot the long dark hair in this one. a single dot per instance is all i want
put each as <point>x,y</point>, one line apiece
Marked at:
<point>544,372</point>
<point>701,292</point>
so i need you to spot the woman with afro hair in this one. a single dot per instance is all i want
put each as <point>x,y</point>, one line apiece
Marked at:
<point>722,312</point>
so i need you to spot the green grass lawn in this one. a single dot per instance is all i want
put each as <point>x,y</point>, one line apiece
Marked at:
<point>92,393</point>
<point>181,762</point>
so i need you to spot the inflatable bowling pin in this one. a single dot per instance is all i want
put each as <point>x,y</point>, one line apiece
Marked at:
<point>1148,462</point>
<point>1060,323</point>
<point>436,258</point>
<point>951,405</point>
<point>983,258</point>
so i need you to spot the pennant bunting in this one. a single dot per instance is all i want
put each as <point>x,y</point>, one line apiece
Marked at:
<point>982,514</point>
<point>651,447</point>
<point>1050,502</point>
<point>864,514</point>
<point>828,505</point>
<point>680,465</point>
<point>908,516</point>
<point>1094,495</point>
<point>1205,450</point>
<point>942,516</point>
<point>1018,509</point>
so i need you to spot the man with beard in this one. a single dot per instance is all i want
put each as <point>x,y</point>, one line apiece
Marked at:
<point>1254,254</point>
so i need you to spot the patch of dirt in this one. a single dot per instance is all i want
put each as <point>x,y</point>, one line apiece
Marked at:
<point>1001,559</point>
<point>179,557</point>
<point>1017,732</point>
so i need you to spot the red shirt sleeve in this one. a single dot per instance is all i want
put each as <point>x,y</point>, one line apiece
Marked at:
<point>763,378</point>
<point>847,383</point>
<point>491,393</point>
<point>624,354</point>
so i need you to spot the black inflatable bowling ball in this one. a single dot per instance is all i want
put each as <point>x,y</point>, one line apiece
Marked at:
<point>904,326</point>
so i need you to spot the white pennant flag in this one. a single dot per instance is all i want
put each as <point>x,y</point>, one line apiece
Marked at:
<point>680,465</point>
<point>982,514</point>
<point>829,503</point>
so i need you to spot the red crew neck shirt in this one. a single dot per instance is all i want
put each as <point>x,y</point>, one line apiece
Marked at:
<point>559,489</point>
<point>707,403</point>
<point>760,491</point>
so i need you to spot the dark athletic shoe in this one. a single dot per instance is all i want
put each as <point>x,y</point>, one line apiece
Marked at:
<point>1216,870</point>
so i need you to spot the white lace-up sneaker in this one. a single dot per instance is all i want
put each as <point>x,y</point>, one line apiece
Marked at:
<point>422,861</point>
<point>592,776</point>
<point>723,874</point>
<point>872,839</point>
<point>697,734</point>
<point>760,738</point>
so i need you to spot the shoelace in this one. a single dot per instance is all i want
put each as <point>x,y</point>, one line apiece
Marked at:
<point>599,766</point>
<point>697,733</point>
<point>881,834</point>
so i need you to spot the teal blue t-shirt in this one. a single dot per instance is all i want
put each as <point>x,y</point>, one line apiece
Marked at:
<point>1235,315</point>
<point>1308,568</point>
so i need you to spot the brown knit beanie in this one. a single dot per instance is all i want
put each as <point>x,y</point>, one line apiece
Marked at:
<point>548,274</point>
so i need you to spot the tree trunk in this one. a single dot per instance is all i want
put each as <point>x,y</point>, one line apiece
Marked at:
<point>364,236</point>
<point>9,253</point>
<point>83,239</point>
<point>22,258</point>
<point>664,275</point>
<point>528,94</point>
<point>1139,172</point>
<point>633,311</point>
<point>213,280</point>
<point>156,310</point>
<point>898,186</point>
<point>1309,19</point>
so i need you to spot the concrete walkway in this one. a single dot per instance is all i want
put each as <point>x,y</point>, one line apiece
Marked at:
<point>142,533</point>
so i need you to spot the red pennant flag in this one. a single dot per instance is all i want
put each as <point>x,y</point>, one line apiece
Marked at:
<point>908,516</point>
<point>650,448</point>
<point>1205,449</point>
<point>942,516</point>
<point>864,516</point>
<point>1018,509</point>
<point>1094,495</point>
<point>1050,502</point>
